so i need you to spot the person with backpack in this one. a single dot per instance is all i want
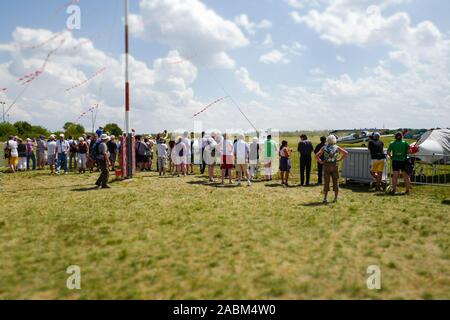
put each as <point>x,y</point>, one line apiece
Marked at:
<point>332,155</point>
<point>180,151</point>
<point>102,158</point>
<point>141,153</point>
<point>398,152</point>
<point>113,152</point>
<point>11,153</point>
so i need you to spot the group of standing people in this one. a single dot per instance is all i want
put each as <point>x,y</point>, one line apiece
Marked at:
<point>178,155</point>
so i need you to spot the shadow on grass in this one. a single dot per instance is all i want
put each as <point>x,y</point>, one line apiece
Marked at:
<point>206,183</point>
<point>314,204</point>
<point>279,185</point>
<point>85,189</point>
<point>357,188</point>
<point>447,202</point>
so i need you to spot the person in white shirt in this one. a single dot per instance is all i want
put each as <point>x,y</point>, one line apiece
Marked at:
<point>179,156</point>
<point>51,153</point>
<point>227,157</point>
<point>241,152</point>
<point>162,156</point>
<point>62,149</point>
<point>188,162</point>
<point>11,153</point>
<point>209,155</point>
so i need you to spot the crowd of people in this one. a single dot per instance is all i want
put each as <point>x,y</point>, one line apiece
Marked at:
<point>177,155</point>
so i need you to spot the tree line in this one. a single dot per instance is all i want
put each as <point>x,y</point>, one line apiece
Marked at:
<point>24,129</point>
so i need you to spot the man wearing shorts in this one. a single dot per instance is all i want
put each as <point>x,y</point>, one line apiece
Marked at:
<point>11,153</point>
<point>376,149</point>
<point>398,152</point>
<point>51,153</point>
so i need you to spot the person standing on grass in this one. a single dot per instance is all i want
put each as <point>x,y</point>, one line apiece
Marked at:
<point>241,154</point>
<point>22,149</point>
<point>83,151</point>
<point>40,152</point>
<point>150,145</point>
<point>330,152</point>
<point>112,149</point>
<point>171,156</point>
<point>398,152</point>
<point>305,148</point>
<point>72,153</point>
<point>202,142</point>
<point>31,144</point>
<point>62,149</point>
<point>179,156</point>
<point>285,163</point>
<point>51,153</point>
<point>162,156</point>
<point>376,149</point>
<point>319,165</point>
<point>11,153</point>
<point>227,158</point>
<point>141,153</point>
<point>270,150</point>
<point>103,162</point>
<point>254,157</point>
<point>209,154</point>
<point>187,143</point>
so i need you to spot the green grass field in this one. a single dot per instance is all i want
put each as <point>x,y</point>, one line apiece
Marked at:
<point>180,238</point>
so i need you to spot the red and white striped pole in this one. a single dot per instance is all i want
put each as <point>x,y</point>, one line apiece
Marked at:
<point>129,148</point>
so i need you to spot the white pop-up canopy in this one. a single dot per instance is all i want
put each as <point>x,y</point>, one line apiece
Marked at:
<point>433,145</point>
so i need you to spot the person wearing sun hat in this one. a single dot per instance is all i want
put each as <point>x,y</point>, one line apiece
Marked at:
<point>51,153</point>
<point>102,157</point>
<point>62,150</point>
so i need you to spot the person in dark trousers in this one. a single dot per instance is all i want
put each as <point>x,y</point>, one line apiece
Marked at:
<point>103,162</point>
<point>319,165</point>
<point>305,148</point>
<point>202,145</point>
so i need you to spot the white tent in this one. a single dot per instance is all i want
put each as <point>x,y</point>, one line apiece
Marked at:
<point>433,146</point>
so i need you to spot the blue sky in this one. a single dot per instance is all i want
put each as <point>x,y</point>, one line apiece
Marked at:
<point>325,67</point>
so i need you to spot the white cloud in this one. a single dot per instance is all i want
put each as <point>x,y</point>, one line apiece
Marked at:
<point>251,27</point>
<point>161,95</point>
<point>362,23</point>
<point>283,55</point>
<point>268,41</point>
<point>274,57</point>
<point>340,59</point>
<point>243,76</point>
<point>189,27</point>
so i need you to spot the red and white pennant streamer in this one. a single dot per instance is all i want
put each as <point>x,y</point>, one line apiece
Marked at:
<point>86,112</point>
<point>210,105</point>
<point>97,73</point>
<point>34,75</point>
<point>40,45</point>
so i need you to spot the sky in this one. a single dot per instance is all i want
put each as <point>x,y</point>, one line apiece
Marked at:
<point>287,64</point>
